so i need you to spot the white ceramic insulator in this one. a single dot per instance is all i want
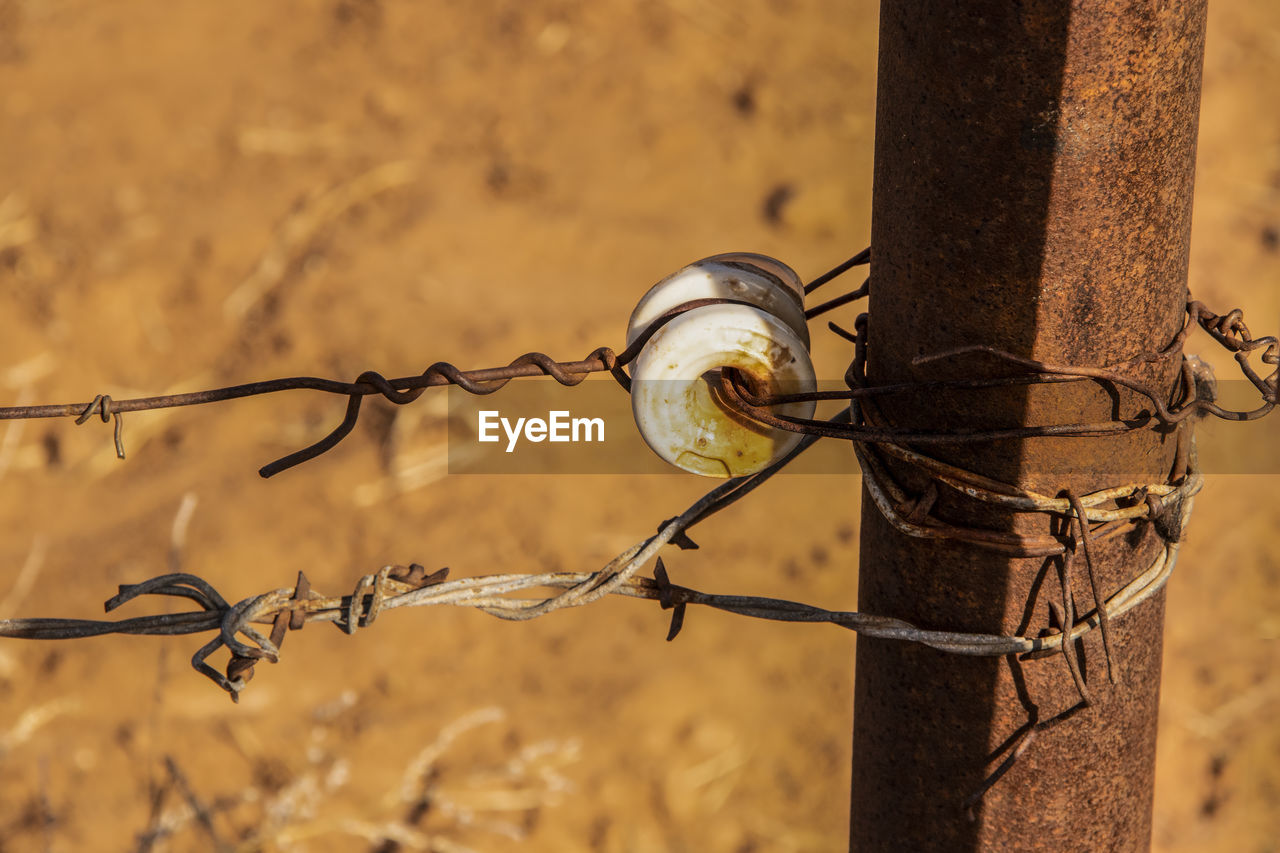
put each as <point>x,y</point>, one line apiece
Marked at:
<point>757,279</point>
<point>673,386</point>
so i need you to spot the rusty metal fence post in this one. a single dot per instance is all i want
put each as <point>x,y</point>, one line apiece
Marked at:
<point>1033,179</point>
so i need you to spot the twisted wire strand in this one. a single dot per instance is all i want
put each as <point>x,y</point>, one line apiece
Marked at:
<point>400,391</point>
<point>398,586</point>
<point>1229,330</point>
<point>392,587</point>
<point>909,517</point>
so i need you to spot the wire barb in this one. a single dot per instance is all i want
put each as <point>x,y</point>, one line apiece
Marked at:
<point>499,595</point>
<point>101,406</point>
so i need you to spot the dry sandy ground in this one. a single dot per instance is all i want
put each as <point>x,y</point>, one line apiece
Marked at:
<point>194,194</point>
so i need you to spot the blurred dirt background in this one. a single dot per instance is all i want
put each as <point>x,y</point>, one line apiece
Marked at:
<point>195,194</point>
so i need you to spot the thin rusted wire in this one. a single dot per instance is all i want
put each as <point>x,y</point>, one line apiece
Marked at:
<point>1080,537</point>
<point>1116,509</point>
<point>1229,330</point>
<point>399,391</point>
<point>863,257</point>
<point>404,389</point>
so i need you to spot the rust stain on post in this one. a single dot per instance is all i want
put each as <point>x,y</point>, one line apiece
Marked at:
<point>1033,183</point>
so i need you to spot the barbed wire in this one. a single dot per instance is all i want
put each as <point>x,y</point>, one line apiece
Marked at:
<point>407,389</point>
<point>411,586</point>
<point>1089,518</point>
<point>1229,330</point>
<point>400,391</point>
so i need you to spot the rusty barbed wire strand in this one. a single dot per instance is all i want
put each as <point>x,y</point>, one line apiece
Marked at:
<point>399,391</point>
<point>911,516</point>
<point>1115,509</point>
<point>1229,330</point>
<point>400,586</point>
<point>740,395</point>
<point>1130,504</point>
<point>402,390</point>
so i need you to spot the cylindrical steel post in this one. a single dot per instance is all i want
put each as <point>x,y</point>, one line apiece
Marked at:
<point>1033,181</point>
